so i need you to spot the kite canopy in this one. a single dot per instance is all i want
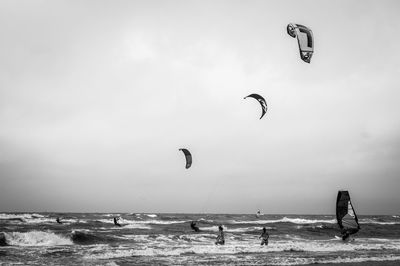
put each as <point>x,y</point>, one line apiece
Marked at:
<point>261,100</point>
<point>345,214</point>
<point>188,157</point>
<point>305,39</point>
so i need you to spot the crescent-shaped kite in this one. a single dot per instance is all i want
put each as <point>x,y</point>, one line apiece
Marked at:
<point>188,157</point>
<point>261,100</point>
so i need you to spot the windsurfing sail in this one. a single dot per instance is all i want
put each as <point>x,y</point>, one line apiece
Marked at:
<point>262,102</point>
<point>188,157</point>
<point>304,38</point>
<point>345,214</point>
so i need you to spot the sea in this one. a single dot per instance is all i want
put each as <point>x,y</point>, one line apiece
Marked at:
<point>167,239</point>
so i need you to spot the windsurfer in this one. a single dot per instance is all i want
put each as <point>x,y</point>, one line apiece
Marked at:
<point>345,236</point>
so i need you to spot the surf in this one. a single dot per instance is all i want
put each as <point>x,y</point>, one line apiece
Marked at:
<point>33,238</point>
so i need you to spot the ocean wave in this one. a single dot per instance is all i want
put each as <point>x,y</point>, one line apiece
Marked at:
<point>87,238</point>
<point>137,226</point>
<point>110,255</point>
<point>230,248</point>
<point>373,221</point>
<point>339,260</point>
<point>157,222</point>
<point>35,238</point>
<point>203,244</point>
<point>111,214</point>
<point>34,218</point>
<point>286,220</point>
<point>206,220</point>
<point>21,217</point>
<point>125,226</point>
<point>125,222</point>
<point>235,230</point>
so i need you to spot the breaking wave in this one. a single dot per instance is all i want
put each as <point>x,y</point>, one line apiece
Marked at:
<point>286,220</point>
<point>35,238</point>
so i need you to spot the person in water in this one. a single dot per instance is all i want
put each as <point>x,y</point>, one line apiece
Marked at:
<point>345,236</point>
<point>220,237</point>
<point>116,221</point>
<point>346,233</point>
<point>264,236</point>
<point>58,220</point>
<point>194,226</point>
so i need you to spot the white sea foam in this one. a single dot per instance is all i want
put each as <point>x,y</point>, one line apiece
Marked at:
<point>205,220</point>
<point>110,214</point>
<point>303,261</point>
<point>248,229</point>
<point>158,222</point>
<point>52,220</point>
<point>151,215</point>
<point>123,221</point>
<point>203,244</point>
<point>210,228</point>
<point>23,216</point>
<point>173,245</point>
<point>36,238</point>
<point>235,230</point>
<point>372,221</point>
<point>35,218</point>
<point>136,226</point>
<point>286,220</point>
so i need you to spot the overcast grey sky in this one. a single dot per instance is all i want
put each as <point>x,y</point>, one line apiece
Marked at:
<point>98,96</point>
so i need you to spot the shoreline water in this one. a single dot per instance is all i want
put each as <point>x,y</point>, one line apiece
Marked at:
<point>167,239</point>
<point>363,263</point>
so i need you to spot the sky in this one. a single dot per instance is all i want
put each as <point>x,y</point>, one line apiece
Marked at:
<point>96,98</point>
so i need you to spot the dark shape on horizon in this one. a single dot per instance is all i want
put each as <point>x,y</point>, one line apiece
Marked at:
<point>305,39</point>
<point>345,215</point>
<point>261,100</point>
<point>58,220</point>
<point>194,226</point>
<point>116,221</point>
<point>188,157</point>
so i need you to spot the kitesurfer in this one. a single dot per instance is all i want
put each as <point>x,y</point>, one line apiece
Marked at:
<point>220,237</point>
<point>58,220</point>
<point>194,226</point>
<point>116,221</point>
<point>264,237</point>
